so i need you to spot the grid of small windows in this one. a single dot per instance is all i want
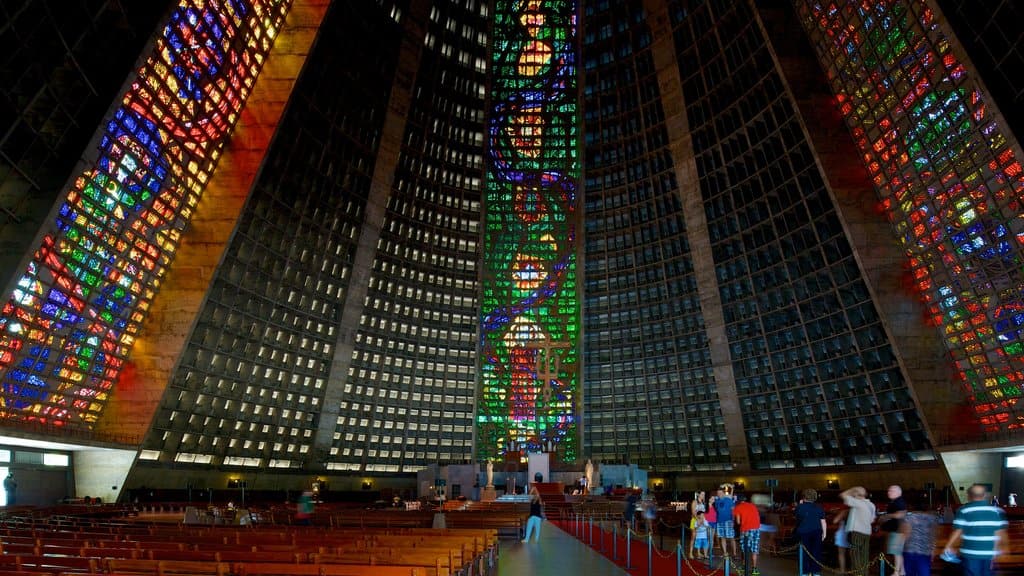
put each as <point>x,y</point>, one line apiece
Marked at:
<point>62,63</point>
<point>948,178</point>
<point>650,396</point>
<point>250,383</point>
<point>409,391</point>
<point>817,380</point>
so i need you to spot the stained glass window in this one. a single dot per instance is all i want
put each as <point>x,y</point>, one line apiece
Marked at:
<point>67,328</point>
<point>947,177</point>
<point>529,360</point>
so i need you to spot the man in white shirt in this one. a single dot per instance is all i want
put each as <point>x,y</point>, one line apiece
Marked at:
<point>858,526</point>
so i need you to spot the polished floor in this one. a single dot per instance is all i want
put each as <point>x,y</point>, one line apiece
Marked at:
<point>555,554</point>
<point>558,553</point>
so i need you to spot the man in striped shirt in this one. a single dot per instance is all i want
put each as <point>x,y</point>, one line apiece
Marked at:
<point>982,529</point>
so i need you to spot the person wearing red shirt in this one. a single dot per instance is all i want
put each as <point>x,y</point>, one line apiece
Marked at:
<point>748,521</point>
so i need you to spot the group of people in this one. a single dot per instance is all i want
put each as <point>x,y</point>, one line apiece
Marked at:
<point>979,533</point>
<point>721,517</point>
<point>979,530</point>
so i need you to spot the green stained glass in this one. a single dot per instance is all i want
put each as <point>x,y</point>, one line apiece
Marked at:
<point>529,394</point>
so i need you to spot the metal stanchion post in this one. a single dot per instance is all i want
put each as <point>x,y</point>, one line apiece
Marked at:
<point>679,559</point>
<point>800,559</point>
<point>591,524</point>
<point>629,549</point>
<point>600,536</point>
<point>615,542</point>
<point>650,558</point>
<point>726,564</point>
<point>881,564</point>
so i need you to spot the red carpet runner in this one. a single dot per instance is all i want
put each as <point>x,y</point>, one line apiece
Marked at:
<point>613,547</point>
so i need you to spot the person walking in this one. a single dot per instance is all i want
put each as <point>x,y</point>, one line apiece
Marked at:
<point>981,528</point>
<point>858,526</point>
<point>748,520</point>
<point>890,523</point>
<point>811,529</point>
<point>649,512</point>
<point>629,512</point>
<point>536,516</point>
<point>918,528</point>
<point>304,509</point>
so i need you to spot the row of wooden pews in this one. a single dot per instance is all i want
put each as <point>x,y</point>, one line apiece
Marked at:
<point>508,519</point>
<point>177,550</point>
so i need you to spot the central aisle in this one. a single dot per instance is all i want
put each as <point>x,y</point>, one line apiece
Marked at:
<point>556,554</point>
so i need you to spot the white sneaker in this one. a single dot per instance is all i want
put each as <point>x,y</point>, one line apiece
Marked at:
<point>524,541</point>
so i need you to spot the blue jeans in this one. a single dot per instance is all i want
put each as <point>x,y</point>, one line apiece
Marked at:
<point>533,525</point>
<point>812,552</point>
<point>917,564</point>
<point>976,566</point>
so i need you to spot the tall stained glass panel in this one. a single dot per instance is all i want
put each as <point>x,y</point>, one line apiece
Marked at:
<point>947,177</point>
<point>69,324</point>
<point>530,317</point>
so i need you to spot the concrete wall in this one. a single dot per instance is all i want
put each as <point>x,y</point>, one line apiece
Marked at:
<point>101,473</point>
<point>966,468</point>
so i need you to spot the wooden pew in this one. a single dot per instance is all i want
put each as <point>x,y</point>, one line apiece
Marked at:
<point>276,569</point>
<point>438,562</point>
<point>507,524</point>
<point>48,564</point>
<point>167,567</point>
<point>128,553</point>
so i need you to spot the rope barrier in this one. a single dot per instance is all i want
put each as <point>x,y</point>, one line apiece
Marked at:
<point>583,529</point>
<point>881,559</point>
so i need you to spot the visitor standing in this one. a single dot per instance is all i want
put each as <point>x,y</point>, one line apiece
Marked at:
<point>858,526</point>
<point>711,515</point>
<point>10,487</point>
<point>811,529</point>
<point>697,506</point>
<point>725,530</point>
<point>841,538</point>
<point>982,529</point>
<point>699,528</point>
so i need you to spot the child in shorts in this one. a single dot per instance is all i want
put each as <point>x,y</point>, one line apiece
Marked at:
<point>700,528</point>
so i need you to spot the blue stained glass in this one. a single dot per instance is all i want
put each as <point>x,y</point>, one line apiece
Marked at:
<point>57,296</point>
